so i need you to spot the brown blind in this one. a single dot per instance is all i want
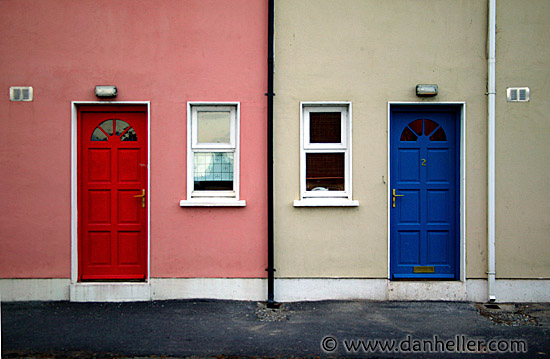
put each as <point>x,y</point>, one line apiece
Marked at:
<point>325,170</point>
<point>325,127</point>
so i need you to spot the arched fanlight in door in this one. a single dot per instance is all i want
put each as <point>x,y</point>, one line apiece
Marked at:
<point>120,129</point>
<point>423,127</point>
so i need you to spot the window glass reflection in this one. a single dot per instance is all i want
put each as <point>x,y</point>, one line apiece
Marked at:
<point>213,171</point>
<point>98,135</point>
<point>105,130</point>
<point>130,135</point>
<point>121,126</point>
<point>325,171</point>
<point>107,126</point>
<point>214,127</point>
<point>423,128</point>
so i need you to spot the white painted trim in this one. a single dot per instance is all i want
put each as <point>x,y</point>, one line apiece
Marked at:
<point>350,152</point>
<point>463,139</point>
<point>472,290</point>
<point>286,289</point>
<point>343,126</point>
<point>209,288</point>
<point>212,202</point>
<point>110,292</point>
<point>74,184</point>
<point>74,193</point>
<point>14,290</point>
<point>310,289</point>
<point>462,149</point>
<point>345,147</point>
<point>235,148</point>
<point>427,290</point>
<point>194,127</point>
<point>325,202</point>
<point>521,290</point>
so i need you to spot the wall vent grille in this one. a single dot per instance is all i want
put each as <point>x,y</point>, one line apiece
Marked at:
<point>21,93</point>
<point>517,94</point>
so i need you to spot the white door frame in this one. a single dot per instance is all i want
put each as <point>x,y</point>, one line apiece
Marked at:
<point>462,144</point>
<point>92,287</point>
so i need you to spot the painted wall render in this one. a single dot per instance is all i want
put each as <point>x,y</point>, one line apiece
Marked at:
<point>166,52</point>
<point>371,53</point>
<point>366,52</point>
<point>522,133</point>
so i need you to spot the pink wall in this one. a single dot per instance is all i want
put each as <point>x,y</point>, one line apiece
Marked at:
<point>166,52</point>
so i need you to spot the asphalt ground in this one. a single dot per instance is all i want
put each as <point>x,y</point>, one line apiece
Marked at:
<point>234,329</point>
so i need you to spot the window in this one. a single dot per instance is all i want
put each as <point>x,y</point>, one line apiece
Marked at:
<point>122,130</point>
<point>325,155</point>
<point>431,129</point>
<point>212,155</point>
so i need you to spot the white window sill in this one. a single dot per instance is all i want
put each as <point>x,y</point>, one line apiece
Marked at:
<point>326,202</point>
<point>212,202</point>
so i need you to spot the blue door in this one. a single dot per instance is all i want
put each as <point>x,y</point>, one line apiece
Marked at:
<point>424,192</point>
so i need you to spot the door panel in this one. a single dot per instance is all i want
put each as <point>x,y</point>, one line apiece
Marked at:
<point>129,161</point>
<point>99,165</point>
<point>99,207</point>
<point>438,247</point>
<point>424,174</point>
<point>128,212</point>
<point>128,248</point>
<point>409,208</point>
<point>409,247</point>
<point>98,248</point>
<point>408,173</point>
<point>112,172</point>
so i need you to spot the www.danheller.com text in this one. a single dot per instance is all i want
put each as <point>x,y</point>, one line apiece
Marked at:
<point>457,344</point>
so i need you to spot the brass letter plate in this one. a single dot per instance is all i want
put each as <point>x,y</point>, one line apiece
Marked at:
<point>423,269</point>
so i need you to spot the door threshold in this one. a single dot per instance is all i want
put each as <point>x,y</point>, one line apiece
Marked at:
<point>427,290</point>
<point>424,280</point>
<point>113,281</point>
<point>110,292</point>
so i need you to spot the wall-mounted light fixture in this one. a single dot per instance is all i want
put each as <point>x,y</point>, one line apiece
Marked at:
<point>105,91</point>
<point>426,90</point>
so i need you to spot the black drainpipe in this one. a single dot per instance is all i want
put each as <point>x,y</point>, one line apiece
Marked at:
<point>270,233</point>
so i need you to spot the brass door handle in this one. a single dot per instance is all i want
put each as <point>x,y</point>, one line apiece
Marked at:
<point>142,196</point>
<point>393,197</point>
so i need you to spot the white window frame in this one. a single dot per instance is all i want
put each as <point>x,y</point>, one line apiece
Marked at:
<point>326,198</point>
<point>212,146</point>
<point>212,198</point>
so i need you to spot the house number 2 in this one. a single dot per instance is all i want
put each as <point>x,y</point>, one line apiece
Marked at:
<point>423,163</point>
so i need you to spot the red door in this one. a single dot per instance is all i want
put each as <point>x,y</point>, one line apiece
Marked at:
<point>112,193</point>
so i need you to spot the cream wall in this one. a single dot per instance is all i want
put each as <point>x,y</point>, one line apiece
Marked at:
<point>523,140</point>
<point>370,53</point>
